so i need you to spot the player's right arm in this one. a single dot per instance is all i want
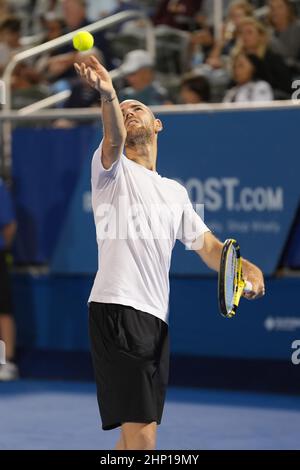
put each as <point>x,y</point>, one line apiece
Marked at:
<point>113,124</point>
<point>210,251</point>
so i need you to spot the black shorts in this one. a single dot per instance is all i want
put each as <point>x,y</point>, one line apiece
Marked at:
<point>5,288</point>
<point>130,353</point>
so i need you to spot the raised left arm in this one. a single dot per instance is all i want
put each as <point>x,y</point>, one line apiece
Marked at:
<point>210,252</point>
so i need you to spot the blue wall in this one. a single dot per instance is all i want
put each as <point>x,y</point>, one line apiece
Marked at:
<point>51,314</point>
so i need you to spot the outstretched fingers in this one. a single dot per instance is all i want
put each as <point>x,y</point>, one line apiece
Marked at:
<point>83,69</point>
<point>95,62</point>
<point>77,67</point>
<point>80,69</point>
<point>91,76</point>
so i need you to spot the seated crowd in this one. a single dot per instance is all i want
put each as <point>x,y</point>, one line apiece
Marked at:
<point>254,56</point>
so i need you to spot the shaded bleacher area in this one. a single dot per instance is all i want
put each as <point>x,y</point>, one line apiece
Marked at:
<point>254,55</point>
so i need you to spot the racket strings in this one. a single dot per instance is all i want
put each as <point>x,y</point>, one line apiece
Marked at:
<point>231,278</point>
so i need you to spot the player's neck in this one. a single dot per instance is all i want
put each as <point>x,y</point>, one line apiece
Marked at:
<point>144,155</point>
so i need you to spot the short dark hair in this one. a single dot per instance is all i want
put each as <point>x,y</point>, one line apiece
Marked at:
<point>292,9</point>
<point>259,69</point>
<point>12,23</point>
<point>83,3</point>
<point>198,84</point>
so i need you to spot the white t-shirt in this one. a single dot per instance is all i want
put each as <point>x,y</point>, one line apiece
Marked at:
<point>250,92</point>
<point>138,216</point>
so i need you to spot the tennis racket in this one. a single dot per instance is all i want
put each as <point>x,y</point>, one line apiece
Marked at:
<point>231,284</point>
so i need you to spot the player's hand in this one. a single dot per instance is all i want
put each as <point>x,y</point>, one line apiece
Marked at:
<point>96,76</point>
<point>254,275</point>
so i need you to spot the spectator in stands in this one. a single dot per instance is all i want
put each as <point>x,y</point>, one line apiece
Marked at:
<point>128,26</point>
<point>5,9</point>
<point>60,66</point>
<point>25,80</point>
<point>238,10</point>
<point>179,14</point>
<point>258,3</point>
<point>100,8</point>
<point>249,76</point>
<point>202,43</point>
<point>194,89</point>
<point>287,31</point>
<point>9,370</point>
<point>42,9</point>
<point>138,69</point>
<point>123,5</point>
<point>10,35</point>
<point>53,26</point>
<point>211,56</point>
<point>253,39</point>
<point>206,12</point>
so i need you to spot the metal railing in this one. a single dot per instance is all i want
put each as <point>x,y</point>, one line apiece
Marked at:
<point>83,114</point>
<point>54,44</point>
<point>45,103</point>
<point>88,114</point>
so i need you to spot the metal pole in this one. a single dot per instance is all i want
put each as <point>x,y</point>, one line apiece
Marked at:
<point>78,114</point>
<point>218,18</point>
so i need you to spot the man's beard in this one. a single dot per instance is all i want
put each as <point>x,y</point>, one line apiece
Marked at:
<point>137,136</point>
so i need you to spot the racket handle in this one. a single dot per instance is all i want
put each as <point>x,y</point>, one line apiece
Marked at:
<point>248,286</point>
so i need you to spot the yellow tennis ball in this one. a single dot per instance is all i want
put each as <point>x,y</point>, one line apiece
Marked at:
<point>83,41</point>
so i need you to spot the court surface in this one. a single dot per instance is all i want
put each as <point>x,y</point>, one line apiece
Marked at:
<point>64,415</point>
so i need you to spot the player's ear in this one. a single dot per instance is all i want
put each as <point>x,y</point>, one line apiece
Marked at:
<point>158,125</point>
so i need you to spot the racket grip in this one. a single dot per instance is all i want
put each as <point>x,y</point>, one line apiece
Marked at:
<point>248,286</point>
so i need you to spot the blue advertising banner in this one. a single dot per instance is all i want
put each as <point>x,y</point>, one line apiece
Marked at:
<point>243,167</point>
<point>240,164</point>
<point>265,328</point>
<point>47,166</point>
<point>292,253</point>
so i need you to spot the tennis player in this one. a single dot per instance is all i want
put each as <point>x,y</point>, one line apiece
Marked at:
<point>128,304</point>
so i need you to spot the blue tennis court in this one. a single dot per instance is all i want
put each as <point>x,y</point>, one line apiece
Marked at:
<point>64,415</point>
